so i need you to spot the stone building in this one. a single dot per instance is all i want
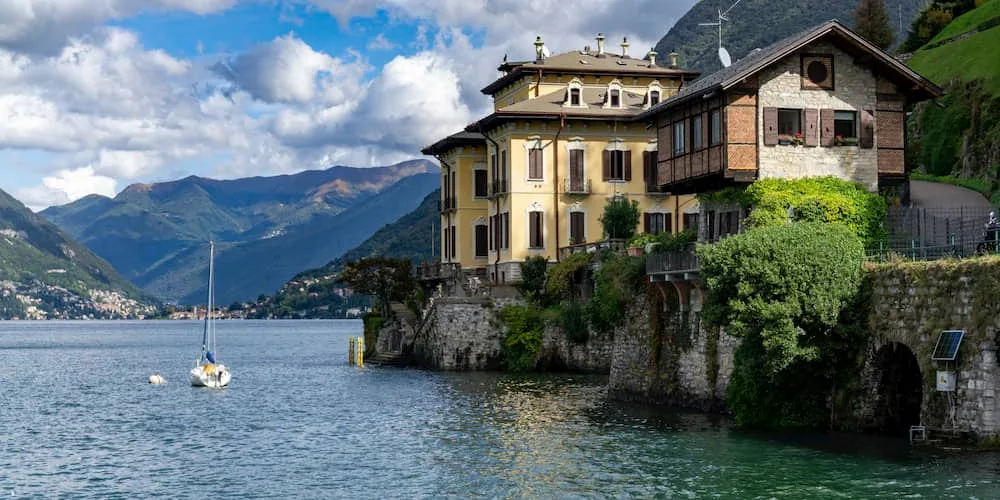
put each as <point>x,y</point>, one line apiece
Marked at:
<point>822,102</point>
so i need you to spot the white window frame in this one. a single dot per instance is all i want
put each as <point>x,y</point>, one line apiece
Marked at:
<point>535,207</point>
<point>533,142</point>
<point>576,208</point>
<point>616,144</point>
<point>614,85</point>
<point>475,224</point>
<point>653,87</point>
<point>477,167</point>
<point>576,84</point>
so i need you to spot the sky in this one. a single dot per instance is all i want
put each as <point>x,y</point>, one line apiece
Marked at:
<point>99,94</point>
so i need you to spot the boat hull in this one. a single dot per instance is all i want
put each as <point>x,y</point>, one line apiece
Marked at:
<point>214,376</point>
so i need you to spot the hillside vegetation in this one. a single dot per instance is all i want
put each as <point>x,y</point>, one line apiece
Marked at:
<point>959,135</point>
<point>759,23</point>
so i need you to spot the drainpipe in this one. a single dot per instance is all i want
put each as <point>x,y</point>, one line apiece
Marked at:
<point>496,200</point>
<point>447,188</point>
<point>555,178</point>
<point>539,82</point>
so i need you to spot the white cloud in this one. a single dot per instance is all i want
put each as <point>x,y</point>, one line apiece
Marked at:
<point>65,186</point>
<point>380,42</point>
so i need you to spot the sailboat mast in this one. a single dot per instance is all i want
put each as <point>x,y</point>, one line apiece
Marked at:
<point>211,293</point>
<point>208,311</point>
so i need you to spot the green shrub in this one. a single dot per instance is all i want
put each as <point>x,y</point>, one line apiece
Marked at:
<point>616,284</point>
<point>785,290</point>
<point>668,242</point>
<point>372,324</point>
<point>561,277</point>
<point>524,336</point>
<point>573,320</point>
<point>620,217</point>
<point>532,284</point>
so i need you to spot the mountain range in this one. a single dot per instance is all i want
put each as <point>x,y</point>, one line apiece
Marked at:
<point>759,23</point>
<point>45,274</point>
<point>266,229</point>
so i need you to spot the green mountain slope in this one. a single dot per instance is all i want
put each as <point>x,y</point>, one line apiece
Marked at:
<point>155,234</point>
<point>314,293</point>
<point>759,23</point>
<point>959,135</point>
<point>57,277</point>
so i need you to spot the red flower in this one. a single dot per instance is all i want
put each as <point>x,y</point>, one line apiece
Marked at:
<point>838,137</point>
<point>798,135</point>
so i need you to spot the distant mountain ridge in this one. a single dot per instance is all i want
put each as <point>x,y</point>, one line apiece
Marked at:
<point>759,23</point>
<point>44,274</point>
<point>155,234</point>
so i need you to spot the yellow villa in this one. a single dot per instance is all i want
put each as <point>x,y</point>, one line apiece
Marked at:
<point>533,177</point>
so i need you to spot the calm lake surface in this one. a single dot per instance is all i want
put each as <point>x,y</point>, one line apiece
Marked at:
<point>78,420</point>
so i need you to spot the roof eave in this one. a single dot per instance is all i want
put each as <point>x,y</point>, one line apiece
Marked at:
<point>519,71</point>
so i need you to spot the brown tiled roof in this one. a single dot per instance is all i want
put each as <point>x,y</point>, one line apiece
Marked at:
<point>759,59</point>
<point>457,139</point>
<point>585,63</point>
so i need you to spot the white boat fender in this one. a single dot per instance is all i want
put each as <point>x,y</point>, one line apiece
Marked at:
<point>156,378</point>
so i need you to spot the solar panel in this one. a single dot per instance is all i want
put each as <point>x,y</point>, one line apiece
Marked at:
<point>947,345</point>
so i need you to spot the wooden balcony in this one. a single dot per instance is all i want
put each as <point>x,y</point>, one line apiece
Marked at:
<point>674,265</point>
<point>576,185</point>
<point>597,246</point>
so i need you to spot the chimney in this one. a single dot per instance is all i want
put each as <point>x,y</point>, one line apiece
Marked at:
<point>586,49</point>
<point>539,46</point>
<point>652,57</point>
<point>624,47</point>
<point>600,45</point>
<point>673,59</point>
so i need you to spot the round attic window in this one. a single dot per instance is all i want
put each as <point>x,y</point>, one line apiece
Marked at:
<point>817,72</point>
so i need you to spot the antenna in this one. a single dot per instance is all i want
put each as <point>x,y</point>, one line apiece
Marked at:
<point>723,53</point>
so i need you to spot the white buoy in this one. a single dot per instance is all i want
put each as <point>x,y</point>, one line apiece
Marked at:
<point>157,379</point>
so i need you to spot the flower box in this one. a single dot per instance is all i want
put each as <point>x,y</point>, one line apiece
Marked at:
<point>634,251</point>
<point>845,141</point>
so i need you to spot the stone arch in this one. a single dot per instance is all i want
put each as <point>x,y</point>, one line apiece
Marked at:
<point>899,389</point>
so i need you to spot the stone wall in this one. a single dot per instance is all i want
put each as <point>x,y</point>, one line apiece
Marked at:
<point>854,89</point>
<point>912,304</point>
<point>467,334</point>
<point>670,358</point>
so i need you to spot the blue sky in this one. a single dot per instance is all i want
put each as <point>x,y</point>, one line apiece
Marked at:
<point>102,95</point>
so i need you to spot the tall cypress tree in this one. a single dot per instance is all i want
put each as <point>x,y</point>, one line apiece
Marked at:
<point>871,20</point>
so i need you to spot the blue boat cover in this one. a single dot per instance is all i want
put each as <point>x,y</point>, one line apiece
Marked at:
<point>210,356</point>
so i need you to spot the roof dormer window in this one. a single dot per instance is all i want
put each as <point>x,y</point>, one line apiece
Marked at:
<point>574,94</point>
<point>654,97</point>
<point>613,98</point>
<point>654,94</point>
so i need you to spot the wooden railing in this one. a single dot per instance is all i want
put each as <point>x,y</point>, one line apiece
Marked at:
<point>597,246</point>
<point>674,261</point>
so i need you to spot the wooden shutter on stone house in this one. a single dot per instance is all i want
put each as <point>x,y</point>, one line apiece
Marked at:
<point>646,222</point>
<point>866,132</point>
<point>605,165</point>
<point>810,126</point>
<point>826,134</point>
<point>770,126</point>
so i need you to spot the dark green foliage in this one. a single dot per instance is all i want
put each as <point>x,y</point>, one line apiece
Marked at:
<point>871,20</point>
<point>931,20</point>
<point>785,289</point>
<point>372,324</point>
<point>669,242</point>
<point>816,199</point>
<point>524,336</point>
<point>561,278</point>
<point>616,284</point>
<point>620,217</point>
<point>758,24</point>
<point>386,279</point>
<point>532,284</point>
<point>573,320</point>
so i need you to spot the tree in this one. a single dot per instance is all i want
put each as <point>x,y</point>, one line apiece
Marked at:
<point>620,218</point>
<point>386,278</point>
<point>871,21</point>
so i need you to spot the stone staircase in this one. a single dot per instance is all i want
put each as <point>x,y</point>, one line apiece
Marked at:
<point>404,314</point>
<point>389,359</point>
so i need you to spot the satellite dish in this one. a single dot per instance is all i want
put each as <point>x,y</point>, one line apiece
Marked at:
<point>724,57</point>
<point>545,52</point>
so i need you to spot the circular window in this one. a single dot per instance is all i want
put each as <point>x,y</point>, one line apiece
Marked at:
<point>817,72</point>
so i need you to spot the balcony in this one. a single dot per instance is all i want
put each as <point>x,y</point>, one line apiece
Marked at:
<point>653,189</point>
<point>447,204</point>
<point>438,271</point>
<point>576,185</point>
<point>674,265</point>
<point>597,246</point>
<point>498,187</point>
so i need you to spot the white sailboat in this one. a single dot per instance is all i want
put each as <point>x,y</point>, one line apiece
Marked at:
<point>208,372</point>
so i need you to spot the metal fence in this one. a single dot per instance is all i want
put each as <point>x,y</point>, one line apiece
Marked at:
<point>936,233</point>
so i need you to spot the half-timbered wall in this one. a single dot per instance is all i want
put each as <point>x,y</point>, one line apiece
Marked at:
<point>693,162</point>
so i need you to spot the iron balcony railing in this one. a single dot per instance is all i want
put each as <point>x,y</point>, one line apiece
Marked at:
<point>614,245</point>
<point>498,187</point>
<point>654,189</point>
<point>446,204</point>
<point>674,261</point>
<point>438,270</point>
<point>576,185</point>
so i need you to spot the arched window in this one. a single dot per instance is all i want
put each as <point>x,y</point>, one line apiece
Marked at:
<point>614,95</point>
<point>574,94</point>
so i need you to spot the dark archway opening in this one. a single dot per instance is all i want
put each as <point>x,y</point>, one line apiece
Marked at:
<point>900,389</point>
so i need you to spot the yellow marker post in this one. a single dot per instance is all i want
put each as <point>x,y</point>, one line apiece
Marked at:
<point>350,351</point>
<point>361,351</point>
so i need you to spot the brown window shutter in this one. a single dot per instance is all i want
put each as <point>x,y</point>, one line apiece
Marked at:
<point>770,126</point>
<point>705,139</point>
<point>646,167</point>
<point>628,165</point>
<point>646,222</point>
<point>605,165</point>
<point>810,124</point>
<point>668,223</point>
<point>867,135</point>
<point>826,134</point>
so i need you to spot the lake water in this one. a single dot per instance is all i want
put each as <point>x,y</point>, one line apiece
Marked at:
<point>78,420</point>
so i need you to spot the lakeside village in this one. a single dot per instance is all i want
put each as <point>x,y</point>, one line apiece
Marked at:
<point>765,262</point>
